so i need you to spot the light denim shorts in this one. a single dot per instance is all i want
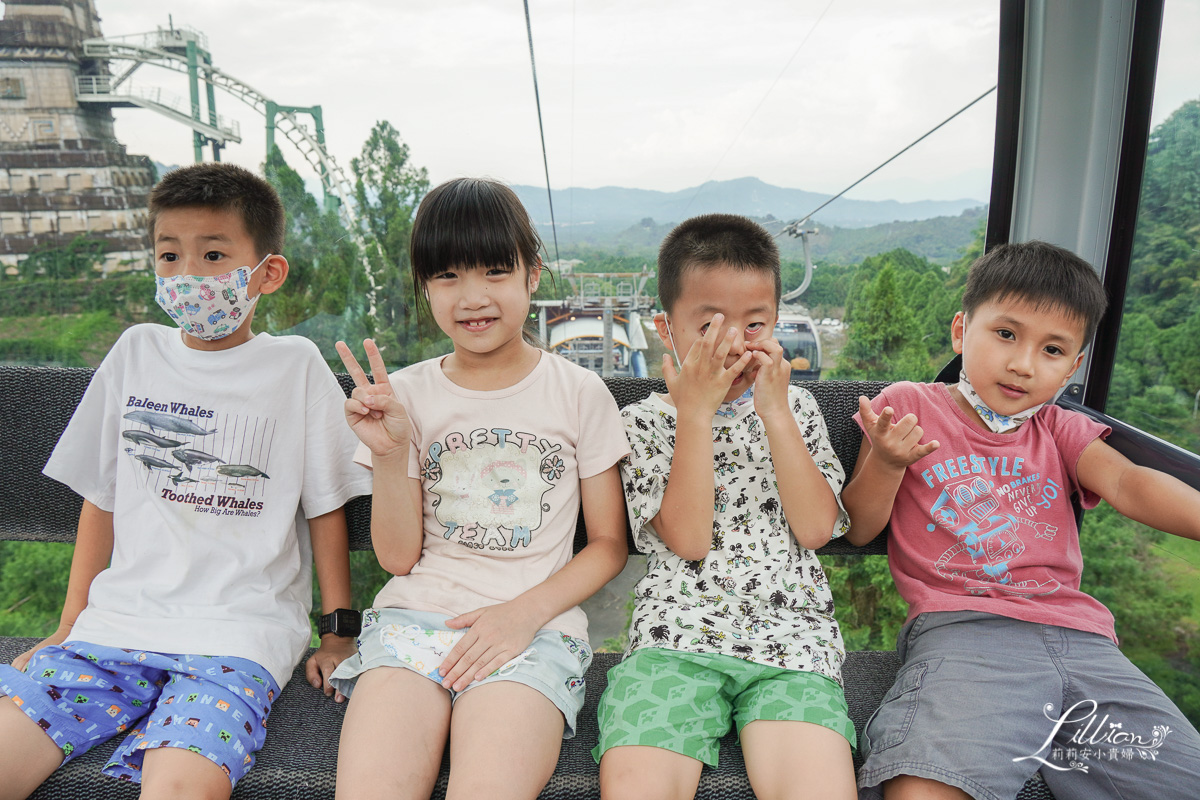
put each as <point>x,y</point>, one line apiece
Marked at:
<point>553,664</point>
<point>983,702</point>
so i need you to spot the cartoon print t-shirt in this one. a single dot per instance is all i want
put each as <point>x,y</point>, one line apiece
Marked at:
<point>500,473</point>
<point>985,523</point>
<point>758,595</point>
<point>211,463</point>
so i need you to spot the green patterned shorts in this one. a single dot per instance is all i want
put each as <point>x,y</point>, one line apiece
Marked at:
<point>685,702</point>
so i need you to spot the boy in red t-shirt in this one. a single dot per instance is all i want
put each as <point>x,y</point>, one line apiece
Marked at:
<point>1008,666</point>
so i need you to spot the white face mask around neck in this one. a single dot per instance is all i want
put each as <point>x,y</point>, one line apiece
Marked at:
<point>996,422</point>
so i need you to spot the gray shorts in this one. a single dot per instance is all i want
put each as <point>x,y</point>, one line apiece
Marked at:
<point>553,664</point>
<point>983,702</point>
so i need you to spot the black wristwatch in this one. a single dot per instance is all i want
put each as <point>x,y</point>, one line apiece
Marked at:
<point>343,622</point>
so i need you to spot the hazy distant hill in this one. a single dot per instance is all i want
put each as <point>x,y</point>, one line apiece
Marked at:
<point>613,208</point>
<point>940,239</point>
<point>634,221</point>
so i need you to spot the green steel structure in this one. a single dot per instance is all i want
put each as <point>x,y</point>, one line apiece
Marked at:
<point>186,51</point>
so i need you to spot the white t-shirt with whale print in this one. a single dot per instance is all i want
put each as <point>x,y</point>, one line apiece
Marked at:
<point>211,463</point>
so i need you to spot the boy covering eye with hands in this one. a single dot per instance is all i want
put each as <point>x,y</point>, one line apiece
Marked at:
<point>730,485</point>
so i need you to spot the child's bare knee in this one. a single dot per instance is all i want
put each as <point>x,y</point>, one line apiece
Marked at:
<point>170,773</point>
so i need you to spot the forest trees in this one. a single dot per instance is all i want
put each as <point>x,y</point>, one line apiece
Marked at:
<point>388,188</point>
<point>1157,372</point>
<point>898,312</point>
<point>349,285</point>
<point>320,299</point>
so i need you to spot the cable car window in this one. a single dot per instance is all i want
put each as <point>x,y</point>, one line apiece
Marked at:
<point>1155,384</point>
<point>1156,375</point>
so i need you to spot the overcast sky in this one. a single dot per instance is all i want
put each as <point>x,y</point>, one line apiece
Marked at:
<point>807,94</point>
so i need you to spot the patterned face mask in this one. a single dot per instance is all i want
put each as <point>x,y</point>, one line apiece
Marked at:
<point>208,308</point>
<point>997,423</point>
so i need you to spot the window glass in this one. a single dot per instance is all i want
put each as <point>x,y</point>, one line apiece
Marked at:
<point>1156,379</point>
<point>689,106</point>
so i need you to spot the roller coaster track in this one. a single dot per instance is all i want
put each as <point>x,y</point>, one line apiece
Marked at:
<point>167,49</point>
<point>159,49</point>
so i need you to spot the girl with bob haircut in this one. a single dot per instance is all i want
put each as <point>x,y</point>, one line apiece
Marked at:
<point>481,460</point>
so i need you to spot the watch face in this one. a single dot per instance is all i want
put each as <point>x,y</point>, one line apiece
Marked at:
<point>343,622</point>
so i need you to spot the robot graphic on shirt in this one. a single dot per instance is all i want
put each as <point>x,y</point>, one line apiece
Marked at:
<point>987,540</point>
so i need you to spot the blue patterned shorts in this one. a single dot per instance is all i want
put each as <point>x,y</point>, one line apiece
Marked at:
<point>82,694</point>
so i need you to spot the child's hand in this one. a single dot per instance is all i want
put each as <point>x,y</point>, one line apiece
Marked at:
<point>373,412</point>
<point>897,444</point>
<point>496,635</point>
<point>702,381</point>
<point>58,637</point>
<point>321,664</point>
<point>771,382</point>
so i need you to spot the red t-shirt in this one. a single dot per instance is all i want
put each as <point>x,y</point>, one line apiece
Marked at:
<point>985,523</point>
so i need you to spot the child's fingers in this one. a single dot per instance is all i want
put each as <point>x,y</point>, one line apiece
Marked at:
<point>739,366</point>
<point>496,662</point>
<point>707,344</point>
<point>464,620</point>
<point>381,403</point>
<point>355,410</point>
<point>923,450</point>
<point>378,370</point>
<point>352,365</point>
<point>771,348</point>
<point>669,371</point>
<point>724,345</point>
<point>912,437</point>
<point>866,412</point>
<point>906,426</point>
<point>884,421</point>
<point>764,360</point>
<point>313,672</point>
<point>461,667</point>
<point>361,403</point>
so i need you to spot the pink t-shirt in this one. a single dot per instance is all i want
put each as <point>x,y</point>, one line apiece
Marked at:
<point>500,473</point>
<point>984,523</point>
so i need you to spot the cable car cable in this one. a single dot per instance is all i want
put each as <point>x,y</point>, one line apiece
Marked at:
<point>541,130</point>
<point>745,124</point>
<point>794,227</point>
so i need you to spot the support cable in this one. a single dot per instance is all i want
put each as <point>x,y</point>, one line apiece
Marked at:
<point>745,124</point>
<point>794,228</point>
<point>541,130</point>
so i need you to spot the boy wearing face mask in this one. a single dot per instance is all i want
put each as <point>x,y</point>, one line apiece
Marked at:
<point>1008,667</point>
<point>213,465</point>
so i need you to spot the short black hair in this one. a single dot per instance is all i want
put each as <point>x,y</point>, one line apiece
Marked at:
<point>224,187</point>
<point>1041,274</point>
<point>471,222</point>
<point>712,240</point>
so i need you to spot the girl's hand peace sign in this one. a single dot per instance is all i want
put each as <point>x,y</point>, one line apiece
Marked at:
<point>373,411</point>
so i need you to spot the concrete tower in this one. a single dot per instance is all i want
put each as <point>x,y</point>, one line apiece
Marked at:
<point>63,174</point>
